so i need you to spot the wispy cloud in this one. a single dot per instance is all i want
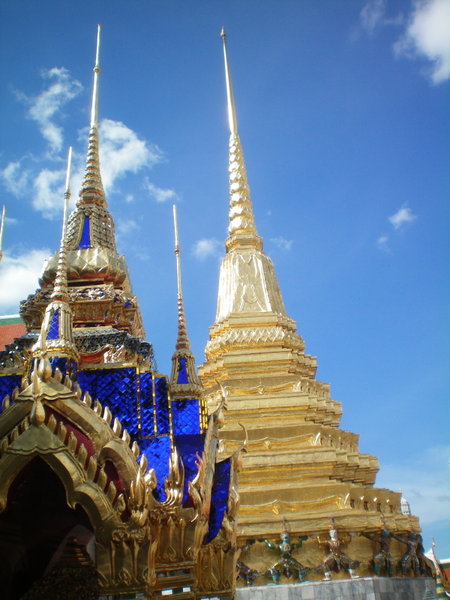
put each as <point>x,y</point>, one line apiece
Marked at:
<point>398,220</point>
<point>126,226</point>
<point>19,275</point>
<point>122,151</point>
<point>428,36</point>
<point>402,217</point>
<point>49,192</point>
<point>15,178</point>
<point>46,106</point>
<point>41,178</point>
<point>424,481</point>
<point>383,242</point>
<point>282,243</point>
<point>160,194</point>
<point>207,247</point>
<point>372,14</point>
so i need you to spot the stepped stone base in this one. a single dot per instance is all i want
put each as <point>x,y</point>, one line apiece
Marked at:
<point>366,588</point>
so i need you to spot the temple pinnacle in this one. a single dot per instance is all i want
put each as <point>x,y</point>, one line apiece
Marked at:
<point>241,229</point>
<point>97,71</point>
<point>2,229</point>
<point>183,362</point>
<point>183,339</point>
<point>92,191</point>
<point>56,338</point>
<point>60,285</point>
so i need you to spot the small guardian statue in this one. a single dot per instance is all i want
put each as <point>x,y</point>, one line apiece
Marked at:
<point>286,565</point>
<point>382,561</point>
<point>336,559</point>
<point>409,560</point>
<point>244,571</point>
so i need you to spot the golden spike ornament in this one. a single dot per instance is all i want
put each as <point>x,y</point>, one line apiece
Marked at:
<point>92,191</point>
<point>183,347</point>
<point>183,339</point>
<point>58,314</point>
<point>60,287</point>
<point>241,228</point>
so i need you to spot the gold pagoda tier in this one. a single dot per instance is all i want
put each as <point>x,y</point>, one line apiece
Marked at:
<point>302,473</point>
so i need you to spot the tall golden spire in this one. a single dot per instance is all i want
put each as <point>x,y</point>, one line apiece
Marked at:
<point>241,228</point>
<point>92,191</point>
<point>184,372</point>
<point>60,286</point>
<point>56,338</point>
<point>2,229</point>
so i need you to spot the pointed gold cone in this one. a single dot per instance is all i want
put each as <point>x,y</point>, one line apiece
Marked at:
<point>92,191</point>
<point>241,228</point>
<point>183,356</point>
<point>60,286</point>
<point>56,337</point>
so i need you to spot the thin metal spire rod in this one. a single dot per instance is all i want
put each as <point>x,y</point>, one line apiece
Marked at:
<point>232,120</point>
<point>60,286</point>
<point>177,251</point>
<point>67,191</point>
<point>94,108</point>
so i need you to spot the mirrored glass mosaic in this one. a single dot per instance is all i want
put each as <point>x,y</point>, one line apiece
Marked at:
<point>219,498</point>
<point>185,417</point>
<point>7,385</point>
<point>85,240</point>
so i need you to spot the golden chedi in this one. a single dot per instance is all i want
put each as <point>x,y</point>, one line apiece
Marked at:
<point>301,470</point>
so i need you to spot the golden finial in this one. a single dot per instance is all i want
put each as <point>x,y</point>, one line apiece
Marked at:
<point>92,191</point>
<point>241,228</point>
<point>183,340</point>
<point>183,362</point>
<point>56,338</point>
<point>2,229</point>
<point>232,120</point>
<point>60,286</point>
<point>94,107</point>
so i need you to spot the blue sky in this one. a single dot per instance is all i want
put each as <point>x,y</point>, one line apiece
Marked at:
<point>343,115</point>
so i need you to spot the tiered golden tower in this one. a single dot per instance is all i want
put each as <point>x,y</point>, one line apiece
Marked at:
<point>301,470</point>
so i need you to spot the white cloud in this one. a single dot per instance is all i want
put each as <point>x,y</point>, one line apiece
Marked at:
<point>424,481</point>
<point>44,107</point>
<point>401,217</point>
<point>122,151</point>
<point>41,178</point>
<point>428,35</point>
<point>282,243</point>
<point>160,194</point>
<point>19,277</point>
<point>126,226</point>
<point>207,247</point>
<point>15,178</point>
<point>383,243</point>
<point>372,14</point>
<point>49,192</point>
